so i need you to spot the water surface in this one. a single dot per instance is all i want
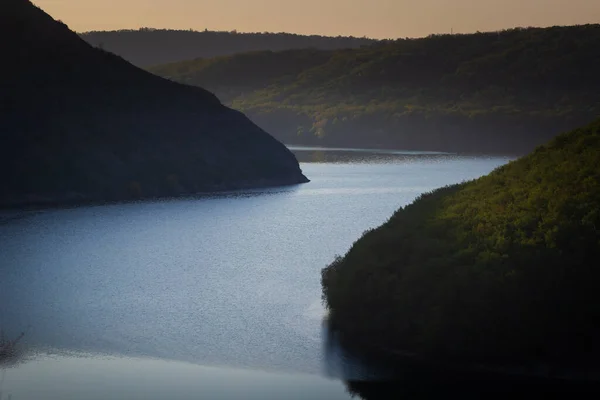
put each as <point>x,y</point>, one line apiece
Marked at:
<point>200,286</point>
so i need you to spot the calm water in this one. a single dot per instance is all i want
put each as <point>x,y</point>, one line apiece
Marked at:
<point>206,295</point>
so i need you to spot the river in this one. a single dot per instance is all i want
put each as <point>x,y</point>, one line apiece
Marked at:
<point>212,295</point>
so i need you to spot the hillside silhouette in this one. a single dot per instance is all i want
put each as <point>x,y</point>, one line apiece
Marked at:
<point>147,46</point>
<point>81,124</point>
<point>501,270</point>
<point>495,92</point>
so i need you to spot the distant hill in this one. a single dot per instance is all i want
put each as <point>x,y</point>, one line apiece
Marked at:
<point>80,124</point>
<point>147,47</point>
<point>496,92</point>
<point>500,270</point>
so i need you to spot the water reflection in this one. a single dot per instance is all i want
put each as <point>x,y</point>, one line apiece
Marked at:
<point>379,379</point>
<point>307,154</point>
<point>424,387</point>
<point>358,156</point>
<point>341,363</point>
<point>63,374</point>
<point>82,376</point>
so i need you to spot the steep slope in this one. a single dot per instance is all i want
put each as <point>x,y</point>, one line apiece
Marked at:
<point>496,92</point>
<point>81,124</point>
<point>502,269</point>
<point>146,47</point>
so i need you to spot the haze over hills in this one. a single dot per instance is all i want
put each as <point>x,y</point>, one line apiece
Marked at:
<point>147,47</point>
<point>81,124</point>
<point>496,92</point>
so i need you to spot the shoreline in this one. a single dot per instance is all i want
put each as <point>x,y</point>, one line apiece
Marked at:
<point>398,360</point>
<point>32,206</point>
<point>396,151</point>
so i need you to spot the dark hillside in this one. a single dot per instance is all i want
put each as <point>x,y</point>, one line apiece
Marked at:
<point>81,124</point>
<point>500,270</point>
<point>496,92</point>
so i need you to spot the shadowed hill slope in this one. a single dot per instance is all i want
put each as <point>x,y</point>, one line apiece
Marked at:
<point>503,269</point>
<point>81,124</point>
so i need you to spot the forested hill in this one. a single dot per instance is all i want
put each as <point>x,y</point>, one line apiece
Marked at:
<point>79,124</point>
<point>502,92</point>
<point>146,47</point>
<point>500,270</point>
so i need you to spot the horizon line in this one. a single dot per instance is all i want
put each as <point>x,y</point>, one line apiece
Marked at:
<point>452,32</point>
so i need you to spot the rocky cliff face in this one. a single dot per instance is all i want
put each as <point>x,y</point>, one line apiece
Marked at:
<point>81,124</point>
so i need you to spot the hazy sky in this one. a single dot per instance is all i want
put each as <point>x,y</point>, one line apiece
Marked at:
<point>373,18</point>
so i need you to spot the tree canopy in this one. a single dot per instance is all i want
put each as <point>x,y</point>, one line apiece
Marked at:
<point>505,91</point>
<point>501,269</point>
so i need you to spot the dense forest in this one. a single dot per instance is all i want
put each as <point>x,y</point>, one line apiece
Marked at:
<point>147,46</point>
<point>81,124</point>
<point>503,92</point>
<point>500,270</point>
